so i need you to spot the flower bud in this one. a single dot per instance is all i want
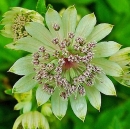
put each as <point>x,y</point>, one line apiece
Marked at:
<point>31,120</point>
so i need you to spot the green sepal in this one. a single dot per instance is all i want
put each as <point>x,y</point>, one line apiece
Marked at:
<point>9,92</point>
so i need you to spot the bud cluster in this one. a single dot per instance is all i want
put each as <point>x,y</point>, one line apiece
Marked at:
<point>18,27</point>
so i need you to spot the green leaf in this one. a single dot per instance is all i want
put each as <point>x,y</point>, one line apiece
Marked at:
<point>105,49</point>
<point>115,124</point>
<point>106,15</point>
<point>24,84</point>
<point>109,67</point>
<point>4,6</point>
<point>112,117</point>
<point>105,85</point>
<point>94,96</point>
<point>59,106</point>
<point>118,5</point>
<point>25,68</point>
<point>79,106</point>
<point>41,96</point>
<point>41,7</point>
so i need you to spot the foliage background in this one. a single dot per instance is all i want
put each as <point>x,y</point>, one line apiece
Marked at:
<point>115,111</point>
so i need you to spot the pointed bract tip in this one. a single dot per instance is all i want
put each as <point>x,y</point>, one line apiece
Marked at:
<point>39,104</point>
<point>98,108</point>
<point>72,7</point>
<point>111,25</point>
<point>114,93</point>
<point>50,9</point>
<point>10,46</point>
<point>10,70</point>
<point>60,117</point>
<point>82,118</point>
<point>6,46</point>
<point>92,15</point>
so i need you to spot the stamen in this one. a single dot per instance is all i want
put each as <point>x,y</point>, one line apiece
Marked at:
<point>71,58</point>
<point>77,47</point>
<point>71,35</point>
<point>48,89</point>
<point>81,90</point>
<point>55,41</point>
<point>91,45</point>
<point>42,49</point>
<point>56,27</point>
<point>80,40</point>
<point>61,62</point>
<point>64,95</point>
<point>56,53</point>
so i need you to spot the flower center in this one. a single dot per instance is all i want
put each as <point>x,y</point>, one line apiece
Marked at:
<point>69,68</point>
<point>68,64</point>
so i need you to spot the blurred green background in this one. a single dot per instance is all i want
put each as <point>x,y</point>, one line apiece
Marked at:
<point>115,111</point>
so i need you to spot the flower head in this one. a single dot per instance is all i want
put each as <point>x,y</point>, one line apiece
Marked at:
<point>122,57</point>
<point>67,62</point>
<point>31,120</point>
<point>14,22</point>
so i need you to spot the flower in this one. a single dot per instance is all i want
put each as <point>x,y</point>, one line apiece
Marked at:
<point>14,22</point>
<point>122,57</point>
<point>66,62</point>
<point>31,120</point>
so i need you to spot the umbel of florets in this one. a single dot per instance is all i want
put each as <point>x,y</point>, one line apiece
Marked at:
<point>56,67</point>
<point>14,22</point>
<point>67,62</point>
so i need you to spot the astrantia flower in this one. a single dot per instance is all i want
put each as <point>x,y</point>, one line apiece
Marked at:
<point>67,62</point>
<point>122,57</point>
<point>31,120</point>
<point>14,22</point>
